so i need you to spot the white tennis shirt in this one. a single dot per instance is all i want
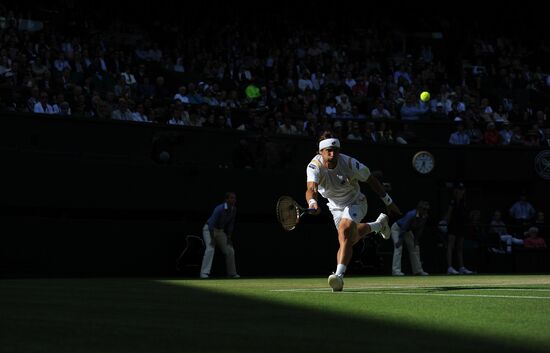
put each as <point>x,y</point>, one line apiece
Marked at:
<point>340,186</point>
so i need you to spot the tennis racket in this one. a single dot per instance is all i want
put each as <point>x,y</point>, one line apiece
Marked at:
<point>289,212</point>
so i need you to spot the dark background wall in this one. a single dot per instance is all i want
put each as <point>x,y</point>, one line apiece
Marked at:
<point>84,197</point>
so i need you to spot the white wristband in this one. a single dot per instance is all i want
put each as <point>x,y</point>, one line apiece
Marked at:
<point>311,202</point>
<point>387,199</point>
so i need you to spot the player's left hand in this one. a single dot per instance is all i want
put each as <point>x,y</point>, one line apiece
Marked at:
<point>392,208</point>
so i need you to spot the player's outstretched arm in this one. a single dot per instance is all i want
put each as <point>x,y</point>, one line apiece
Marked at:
<point>377,187</point>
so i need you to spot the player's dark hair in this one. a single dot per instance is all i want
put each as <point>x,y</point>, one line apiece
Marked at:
<point>325,135</point>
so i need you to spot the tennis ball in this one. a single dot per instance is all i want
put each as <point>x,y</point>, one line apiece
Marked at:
<point>425,96</point>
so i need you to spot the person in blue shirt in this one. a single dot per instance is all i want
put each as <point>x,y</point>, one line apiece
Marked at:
<point>217,232</point>
<point>408,230</point>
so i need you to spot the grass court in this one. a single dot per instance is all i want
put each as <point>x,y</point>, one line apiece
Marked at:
<point>475,313</point>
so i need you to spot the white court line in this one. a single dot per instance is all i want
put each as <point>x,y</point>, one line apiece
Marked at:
<point>454,295</point>
<point>417,294</point>
<point>465,287</point>
<point>514,289</point>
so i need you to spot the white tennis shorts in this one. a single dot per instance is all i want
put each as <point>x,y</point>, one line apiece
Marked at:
<point>355,211</point>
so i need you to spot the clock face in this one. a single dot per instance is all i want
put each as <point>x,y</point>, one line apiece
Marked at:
<point>423,162</point>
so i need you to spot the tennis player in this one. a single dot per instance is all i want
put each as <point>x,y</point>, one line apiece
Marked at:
<point>336,177</point>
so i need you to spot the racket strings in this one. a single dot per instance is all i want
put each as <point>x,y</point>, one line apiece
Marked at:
<point>288,214</point>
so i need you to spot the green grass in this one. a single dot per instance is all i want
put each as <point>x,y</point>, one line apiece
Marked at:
<point>373,314</point>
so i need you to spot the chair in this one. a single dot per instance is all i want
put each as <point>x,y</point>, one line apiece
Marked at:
<point>191,257</point>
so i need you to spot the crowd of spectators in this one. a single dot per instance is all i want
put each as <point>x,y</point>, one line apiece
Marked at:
<point>520,226</point>
<point>358,76</point>
<point>288,72</point>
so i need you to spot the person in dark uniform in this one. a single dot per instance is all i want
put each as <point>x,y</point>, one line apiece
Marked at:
<point>456,218</point>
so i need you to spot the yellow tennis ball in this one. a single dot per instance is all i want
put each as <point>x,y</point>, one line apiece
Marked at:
<point>425,96</point>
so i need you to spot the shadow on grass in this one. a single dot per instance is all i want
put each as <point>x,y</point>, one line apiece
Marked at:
<point>137,315</point>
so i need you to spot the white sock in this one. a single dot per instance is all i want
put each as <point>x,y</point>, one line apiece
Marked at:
<point>340,270</point>
<point>375,226</point>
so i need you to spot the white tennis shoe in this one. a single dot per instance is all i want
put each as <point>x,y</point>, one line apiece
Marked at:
<point>465,271</point>
<point>385,230</point>
<point>451,271</point>
<point>336,282</point>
